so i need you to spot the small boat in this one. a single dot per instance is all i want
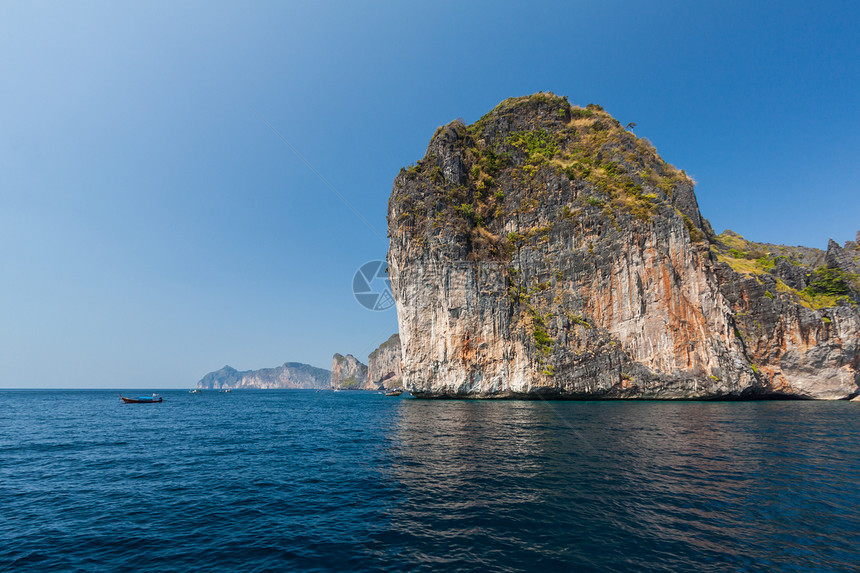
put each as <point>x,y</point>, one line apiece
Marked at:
<point>154,399</point>
<point>195,391</point>
<point>226,391</point>
<point>394,393</point>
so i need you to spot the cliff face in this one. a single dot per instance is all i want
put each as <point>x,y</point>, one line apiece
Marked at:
<point>384,366</point>
<point>347,373</point>
<point>547,250</point>
<point>289,375</point>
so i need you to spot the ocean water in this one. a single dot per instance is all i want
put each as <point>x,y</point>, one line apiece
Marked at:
<point>323,481</point>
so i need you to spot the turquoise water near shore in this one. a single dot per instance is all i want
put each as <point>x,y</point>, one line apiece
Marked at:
<point>323,481</point>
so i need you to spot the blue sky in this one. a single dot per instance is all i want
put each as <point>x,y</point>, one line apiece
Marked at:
<point>153,228</point>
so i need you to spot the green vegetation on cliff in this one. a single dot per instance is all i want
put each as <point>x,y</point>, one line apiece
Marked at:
<point>584,144</point>
<point>831,282</point>
<point>824,287</point>
<point>513,155</point>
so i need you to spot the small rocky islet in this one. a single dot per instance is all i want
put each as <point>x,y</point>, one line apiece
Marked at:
<point>546,251</point>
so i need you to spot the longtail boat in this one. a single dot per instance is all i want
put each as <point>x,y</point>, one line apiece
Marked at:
<point>154,399</point>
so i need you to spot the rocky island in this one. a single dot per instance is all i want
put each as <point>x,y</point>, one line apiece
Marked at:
<point>547,251</point>
<point>288,375</point>
<point>347,372</point>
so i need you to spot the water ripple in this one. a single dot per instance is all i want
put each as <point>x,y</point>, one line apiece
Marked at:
<point>273,481</point>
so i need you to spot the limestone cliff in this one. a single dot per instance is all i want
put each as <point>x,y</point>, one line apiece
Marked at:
<point>384,366</point>
<point>545,250</point>
<point>288,375</point>
<point>347,373</point>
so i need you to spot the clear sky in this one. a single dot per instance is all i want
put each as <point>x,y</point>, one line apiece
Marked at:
<point>153,228</point>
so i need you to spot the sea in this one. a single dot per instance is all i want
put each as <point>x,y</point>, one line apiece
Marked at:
<point>298,480</point>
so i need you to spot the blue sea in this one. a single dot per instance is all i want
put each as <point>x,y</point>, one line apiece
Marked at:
<point>354,481</point>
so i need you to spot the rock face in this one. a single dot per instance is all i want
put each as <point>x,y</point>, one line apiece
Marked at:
<point>347,373</point>
<point>288,375</point>
<point>385,366</point>
<point>546,251</point>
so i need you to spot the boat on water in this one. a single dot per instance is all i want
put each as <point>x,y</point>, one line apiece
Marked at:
<point>394,393</point>
<point>154,399</point>
<point>226,390</point>
<point>195,391</point>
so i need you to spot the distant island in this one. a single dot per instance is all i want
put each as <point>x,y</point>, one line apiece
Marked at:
<point>288,375</point>
<point>347,373</point>
<point>547,251</point>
